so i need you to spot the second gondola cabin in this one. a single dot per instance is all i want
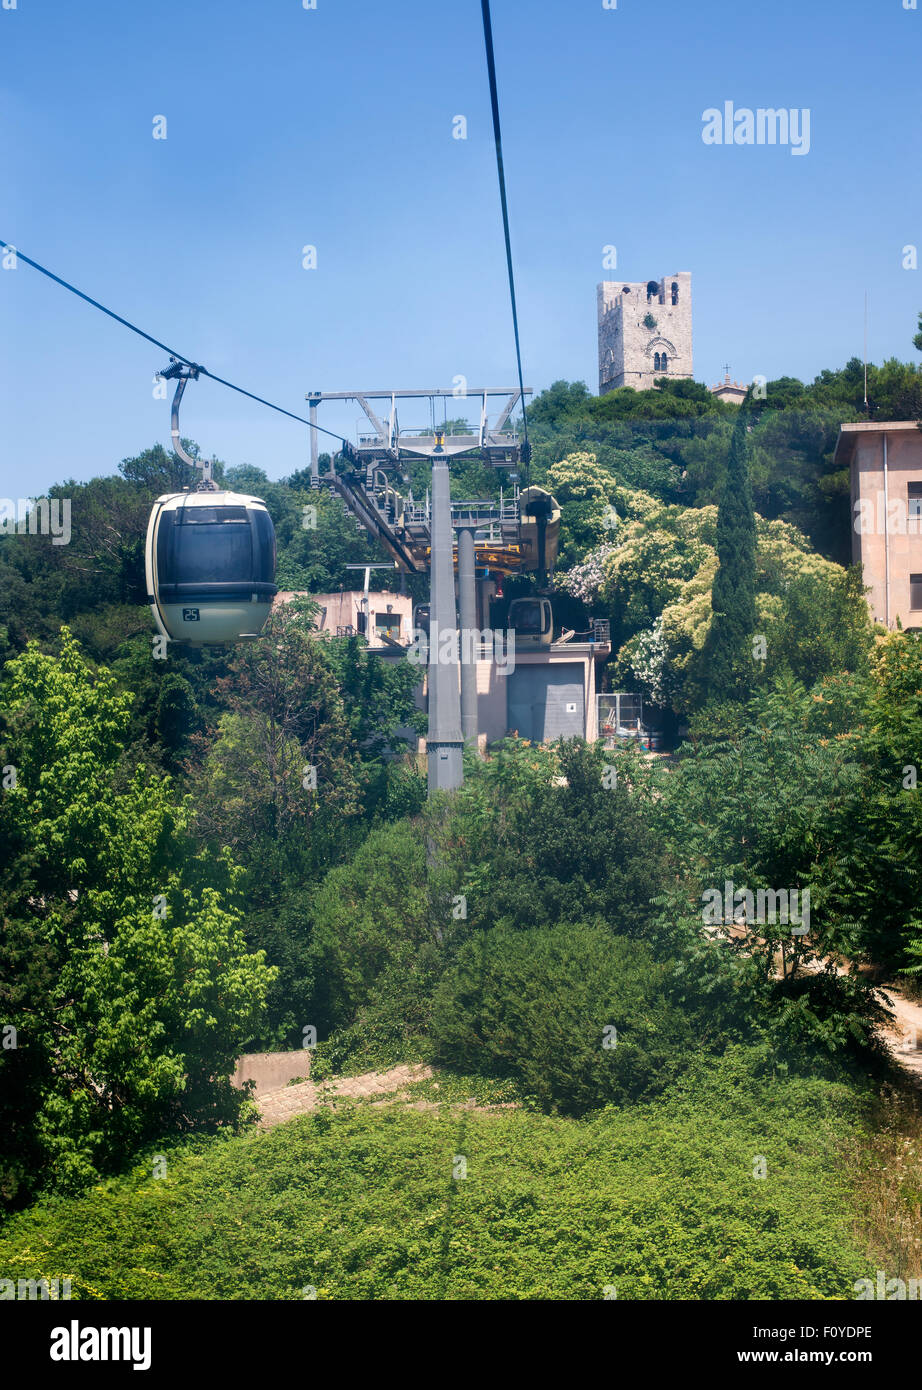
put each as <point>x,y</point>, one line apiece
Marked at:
<point>210,563</point>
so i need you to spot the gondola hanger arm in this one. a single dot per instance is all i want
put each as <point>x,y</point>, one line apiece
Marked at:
<point>182,372</point>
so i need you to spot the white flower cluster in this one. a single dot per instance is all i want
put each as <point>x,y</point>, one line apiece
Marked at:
<point>584,581</point>
<point>648,661</point>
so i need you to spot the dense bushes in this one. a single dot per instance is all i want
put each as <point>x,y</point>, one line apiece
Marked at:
<point>576,1015</point>
<point>371,927</point>
<point>538,837</point>
<point>647,1202</point>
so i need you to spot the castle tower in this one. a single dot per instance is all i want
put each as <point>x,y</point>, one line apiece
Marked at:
<point>645,331</point>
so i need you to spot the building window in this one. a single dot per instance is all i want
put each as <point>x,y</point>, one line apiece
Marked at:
<point>664,363</point>
<point>675,292</point>
<point>656,361</point>
<point>915,591</point>
<point>915,507</point>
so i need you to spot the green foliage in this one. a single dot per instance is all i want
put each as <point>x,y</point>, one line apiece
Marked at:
<point>299,708</point>
<point>539,1006</point>
<point>379,696</point>
<point>536,838</point>
<point>656,1202</point>
<point>673,441</point>
<point>653,577</point>
<point>822,625</point>
<point>728,654</point>
<point>137,992</point>
<point>766,798</point>
<point>886,829</point>
<point>372,937</point>
<point>284,715</point>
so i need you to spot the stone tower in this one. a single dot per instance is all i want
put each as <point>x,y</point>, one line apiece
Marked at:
<point>645,331</point>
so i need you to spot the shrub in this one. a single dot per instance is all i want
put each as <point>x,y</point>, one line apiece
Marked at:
<point>371,918</point>
<point>540,1007</point>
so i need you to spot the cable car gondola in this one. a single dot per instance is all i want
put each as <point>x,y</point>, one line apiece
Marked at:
<point>532,621</point>
<point>209,555</point>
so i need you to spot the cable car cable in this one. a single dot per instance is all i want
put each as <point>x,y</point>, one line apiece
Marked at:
<point>500,169</point>
<point>187,361</point>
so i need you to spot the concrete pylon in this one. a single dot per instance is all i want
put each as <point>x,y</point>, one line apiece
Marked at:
<point>467,596</point>
<point>444,744</point>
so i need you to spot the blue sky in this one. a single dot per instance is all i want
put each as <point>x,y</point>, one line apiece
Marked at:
<point>333,127</point>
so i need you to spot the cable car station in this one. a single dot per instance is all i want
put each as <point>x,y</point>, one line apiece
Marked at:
<point>547,688</point>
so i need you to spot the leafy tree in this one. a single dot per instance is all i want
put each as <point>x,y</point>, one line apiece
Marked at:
<point>578,1017</point>
<point>378,695</point>
<point>155,471</point>
<point>539,837</point>
<point>300,764</point>
<point>820,625</point>
<point>282,774</point>
<point>373,938</point>
<point>138,992</point>
<point>734,590</point>
<point>886,834</point>
<point>765,798</point>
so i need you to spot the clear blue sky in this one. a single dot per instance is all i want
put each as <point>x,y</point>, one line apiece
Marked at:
<point>334,127</point>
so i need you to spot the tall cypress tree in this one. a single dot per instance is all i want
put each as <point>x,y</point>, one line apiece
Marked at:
<point>733,594</point>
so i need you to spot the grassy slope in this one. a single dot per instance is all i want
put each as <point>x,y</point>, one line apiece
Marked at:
<point>659,1201</point>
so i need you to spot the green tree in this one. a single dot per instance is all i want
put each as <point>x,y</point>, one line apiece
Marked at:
<point>578,1017</point>
<point>886,833</point>
<point>283,774</point>
<point>374,947</point>
<point>766,797</point>
<point>728,659</point>
<point>542,836</point>
<point>138,991</point>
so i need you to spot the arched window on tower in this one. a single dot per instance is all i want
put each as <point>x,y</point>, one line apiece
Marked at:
<point>664,363</point>
<point>675,292</point>
<point>652,290</point>
<point>656,361</point>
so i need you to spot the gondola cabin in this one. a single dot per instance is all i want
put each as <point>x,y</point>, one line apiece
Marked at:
<point>532,621</point>
<point>210,563</point>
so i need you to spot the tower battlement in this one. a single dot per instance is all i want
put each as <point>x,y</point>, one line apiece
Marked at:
<point>645,331</point>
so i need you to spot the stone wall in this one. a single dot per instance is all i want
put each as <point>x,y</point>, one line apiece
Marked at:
<point>271,1070</point>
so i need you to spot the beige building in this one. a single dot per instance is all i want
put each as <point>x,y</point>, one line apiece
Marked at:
<point>540,695</point>
<point>354,612</point>
<point>885,463</point>
<point>645,331</point>
<point>733,391</point>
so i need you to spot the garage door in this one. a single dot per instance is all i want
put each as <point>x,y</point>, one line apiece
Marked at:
<point>546,702</point>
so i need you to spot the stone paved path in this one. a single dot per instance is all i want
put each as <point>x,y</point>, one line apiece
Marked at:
<point>904,1038</point>
<point>279,1106</point>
